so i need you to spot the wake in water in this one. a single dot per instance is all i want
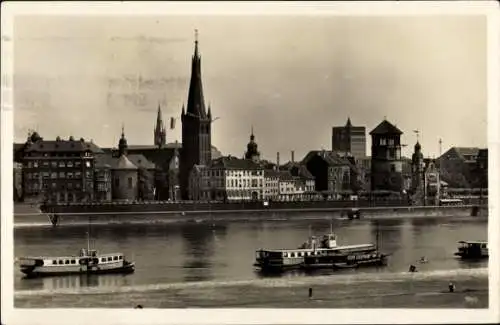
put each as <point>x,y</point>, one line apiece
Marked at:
<point>273,283</point>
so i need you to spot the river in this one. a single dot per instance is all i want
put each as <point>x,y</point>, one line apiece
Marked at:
<point>209,264</point>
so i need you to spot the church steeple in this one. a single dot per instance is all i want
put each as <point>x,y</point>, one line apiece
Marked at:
<point>196,101</point>
<point>160,133</point>
<point>252,149</point>
<point>196,126</point>
<point>122,144</point>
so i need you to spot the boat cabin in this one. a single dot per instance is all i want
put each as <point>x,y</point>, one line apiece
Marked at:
<point>472,249</point>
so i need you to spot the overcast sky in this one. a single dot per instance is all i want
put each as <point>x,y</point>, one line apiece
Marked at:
<point>292,78</point>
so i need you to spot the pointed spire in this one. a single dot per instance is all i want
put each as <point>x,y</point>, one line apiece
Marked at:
<point>209,114</point>
<point>196,43</point>
<point>196,101</point>
<point>123,130</point>
<point>348,124</point>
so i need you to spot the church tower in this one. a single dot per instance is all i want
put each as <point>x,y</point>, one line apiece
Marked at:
<point>252,149</point>
<point>196,126</point>
<point>160,133</point>
<point>417,168</point>
<point>122,144</point>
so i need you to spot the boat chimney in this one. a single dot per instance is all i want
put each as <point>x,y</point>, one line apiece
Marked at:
<point>278,160</point>
<point>293,156</point>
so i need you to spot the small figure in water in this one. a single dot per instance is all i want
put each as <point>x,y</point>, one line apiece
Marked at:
<point>138,307</point>
<point>451,287</point>
<point>310,292</point>
<point>412,269</point>
<point>423,260</point>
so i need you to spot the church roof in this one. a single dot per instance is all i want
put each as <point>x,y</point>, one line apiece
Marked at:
<point>229,162</point>
<point>140,161</point>
<point>63,146</point>
<point>385,127</point>
<point>124,163</point>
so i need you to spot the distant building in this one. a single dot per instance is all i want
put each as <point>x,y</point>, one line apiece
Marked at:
<point>18,182</point>
<point>350,139</point>
<point>196,128</point>
<point>386,166</point>
<point>228,179</point>
<point>331,172</point>
<point>60,170</point>
<point>271,184</point>
<point>431,182</point>
<point>417,168</point>
<point>457,166</point>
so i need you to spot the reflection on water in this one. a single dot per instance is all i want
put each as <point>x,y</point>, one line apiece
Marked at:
<point>225,251</point>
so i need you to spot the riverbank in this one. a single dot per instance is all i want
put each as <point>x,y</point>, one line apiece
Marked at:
<point>33,217</point>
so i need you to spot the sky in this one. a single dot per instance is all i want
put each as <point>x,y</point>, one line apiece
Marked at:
<point>290,77</point>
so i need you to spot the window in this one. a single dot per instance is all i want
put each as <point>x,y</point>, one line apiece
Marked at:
<point>110,258</point>
<point>45,164</point>
<point>60,262</point>
<point>35,164</point>
<point>61,175</point>
<point>66,262</point>
<point>120,257</point>
<point>54,262</point>
<point>391,142</point>
<point>78,174</point>
<point>29,164</point>
<point>130,182</point>
<point>103,259</point>
<point>383,141</point>
<point>70,175</point>
<point>54,185</point>
<point>62,164</point>
<point>73,262</point>
<point>70,164</point>
<point>115,258</point>
<point>87,164</point>
<point>54,164</point>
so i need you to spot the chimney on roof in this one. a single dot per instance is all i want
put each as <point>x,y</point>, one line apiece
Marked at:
<point>277,160</point>
<point>293,156</point>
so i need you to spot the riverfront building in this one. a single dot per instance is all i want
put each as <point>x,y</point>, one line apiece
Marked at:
<point>60,170</point>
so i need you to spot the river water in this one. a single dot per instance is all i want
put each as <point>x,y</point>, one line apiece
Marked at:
<point>209,264</point>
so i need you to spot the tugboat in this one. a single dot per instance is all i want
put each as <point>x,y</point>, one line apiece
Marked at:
<point>87,262</point>
<point>472,249</point>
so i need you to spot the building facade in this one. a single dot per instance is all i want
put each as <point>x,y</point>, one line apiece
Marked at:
<point>331,172</point>
<point>228,179</point>
<point>386,166</point>
<point>60,170</point>
<point>196,127</point>
<point>350,139</point>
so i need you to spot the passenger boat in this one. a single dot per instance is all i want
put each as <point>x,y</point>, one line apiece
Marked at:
<point>89,261</point>
<point>472,249</point>
<point>319,253</point>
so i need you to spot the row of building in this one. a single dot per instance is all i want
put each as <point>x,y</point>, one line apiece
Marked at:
<point>80,171</point>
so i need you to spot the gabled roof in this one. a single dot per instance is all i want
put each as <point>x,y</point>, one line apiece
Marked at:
<point>63,146</point>
<point>330,157</point>
<point>460,152</point>
<point>271,173</point>
<point>141,162</point>
<point>385,127</point>
<point>229,162</point>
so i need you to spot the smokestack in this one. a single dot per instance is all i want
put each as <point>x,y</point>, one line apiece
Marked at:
<point>293,156</point>
<point>277,159</point>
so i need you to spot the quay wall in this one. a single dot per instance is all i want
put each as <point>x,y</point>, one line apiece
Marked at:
<point>200,212</point>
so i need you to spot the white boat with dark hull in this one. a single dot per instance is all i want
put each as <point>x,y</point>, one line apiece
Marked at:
<point>472,250</point>
<point>87,262</point>
<point>319,254</point>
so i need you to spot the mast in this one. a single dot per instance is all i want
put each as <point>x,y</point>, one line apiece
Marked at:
<point>377,236</point>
